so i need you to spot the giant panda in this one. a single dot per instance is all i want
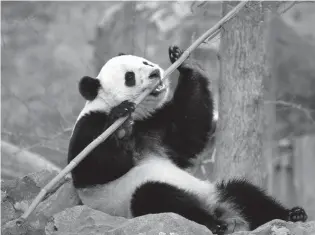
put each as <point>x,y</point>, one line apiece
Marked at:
<point>143,170</point>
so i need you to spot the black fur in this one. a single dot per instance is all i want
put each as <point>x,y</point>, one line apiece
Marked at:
<point>146,63</point>
<point>130,79</point>
<point>122,110</point>
<point>157,197</point>
<point>297,214</point>
<point>182,126</point>
<point>155,74</point>
<point>89,87</point>
<point>255,205</point>
<point>93,169</point>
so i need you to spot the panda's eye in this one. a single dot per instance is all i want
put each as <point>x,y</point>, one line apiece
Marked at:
<point>130,79</point>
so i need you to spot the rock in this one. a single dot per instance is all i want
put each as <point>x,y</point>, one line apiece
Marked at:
<point>59,214</point>
<point>10,228</point>
<point>280,227</point>
<point>17,195</point>
<point>82,220</point>
<point>64,197</point>
<point>18,162</point>
<point>7,210</point>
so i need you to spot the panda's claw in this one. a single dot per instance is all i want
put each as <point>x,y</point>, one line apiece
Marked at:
<point>297,214</point>
<point>174,53</point>
<point>122,110</point>
<point>220,229</point>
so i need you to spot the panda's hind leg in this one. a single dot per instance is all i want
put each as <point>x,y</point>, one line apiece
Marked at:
<point>159,197</point>
<point>257,205</point>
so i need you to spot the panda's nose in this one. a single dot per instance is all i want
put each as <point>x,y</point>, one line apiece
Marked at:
<point>155,74</point>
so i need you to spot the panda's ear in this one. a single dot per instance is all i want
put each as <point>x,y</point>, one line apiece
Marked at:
<point>89,87</point>
<point>119,54</point>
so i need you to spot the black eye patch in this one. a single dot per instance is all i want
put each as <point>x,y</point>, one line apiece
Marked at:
<point>146,63</point>
<point>130,79</point>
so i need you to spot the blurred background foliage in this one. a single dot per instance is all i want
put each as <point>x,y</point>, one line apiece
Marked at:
<point>46,47</point>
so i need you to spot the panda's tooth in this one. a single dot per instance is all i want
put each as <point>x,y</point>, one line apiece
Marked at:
<point>160,87</point>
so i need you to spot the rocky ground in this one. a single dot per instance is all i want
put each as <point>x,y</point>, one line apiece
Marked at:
<point>60,213</point>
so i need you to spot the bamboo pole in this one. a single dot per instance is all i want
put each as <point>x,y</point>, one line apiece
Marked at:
<point>211,33</point>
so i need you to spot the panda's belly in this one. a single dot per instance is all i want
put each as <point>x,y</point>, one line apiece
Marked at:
<point>108,199</point>
<point>115,198</point>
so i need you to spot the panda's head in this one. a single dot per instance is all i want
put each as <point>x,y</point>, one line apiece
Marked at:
<point>125,77</point>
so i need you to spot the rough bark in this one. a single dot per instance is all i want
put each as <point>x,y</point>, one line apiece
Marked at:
<point>303,164</point>
<point>270,84</point>
<point>241,95</point>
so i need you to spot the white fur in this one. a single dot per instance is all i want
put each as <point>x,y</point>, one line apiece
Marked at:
<point>114,91</point>
<point>114,198</point>
<point>151,103</point>
<point>112,76</point>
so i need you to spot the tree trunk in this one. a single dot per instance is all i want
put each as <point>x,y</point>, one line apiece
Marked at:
<point>269,143</point>
<point>239,138</point>
<point>304,163</point>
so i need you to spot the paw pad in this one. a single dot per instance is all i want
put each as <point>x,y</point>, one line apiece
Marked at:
<point>297,214</point>
<point>122,110</point>
<point>220,229</point>
<point>174,53</point>
<point>125,108</point>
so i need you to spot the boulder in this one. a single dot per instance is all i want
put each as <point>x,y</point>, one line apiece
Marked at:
<point>60,214</point>
<point>17,195</point>
<point>82,220</point>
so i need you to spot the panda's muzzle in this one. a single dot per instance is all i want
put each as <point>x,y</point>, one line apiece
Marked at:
<point>155,74</point>
<point>161,87</point>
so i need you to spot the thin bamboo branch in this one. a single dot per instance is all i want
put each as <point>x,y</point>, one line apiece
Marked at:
<point>208,34</point>
<point>289,7</point>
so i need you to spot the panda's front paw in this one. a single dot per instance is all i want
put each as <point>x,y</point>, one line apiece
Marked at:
<point>297,214</point>
<point>122,110</point>
<point>125,131</point>
<point>174,53</point>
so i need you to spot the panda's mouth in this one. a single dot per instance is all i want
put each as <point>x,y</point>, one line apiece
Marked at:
<point>159,89</point>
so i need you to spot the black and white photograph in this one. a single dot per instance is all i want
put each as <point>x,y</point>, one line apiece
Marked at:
<point>158,117</point>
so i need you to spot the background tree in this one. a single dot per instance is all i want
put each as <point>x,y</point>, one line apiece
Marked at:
<point>239,137</point>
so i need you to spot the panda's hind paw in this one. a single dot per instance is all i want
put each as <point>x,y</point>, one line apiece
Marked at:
<point>122,110</point>
<point>174,53</point>
<point>297,214</point>
<point>220,229</point>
